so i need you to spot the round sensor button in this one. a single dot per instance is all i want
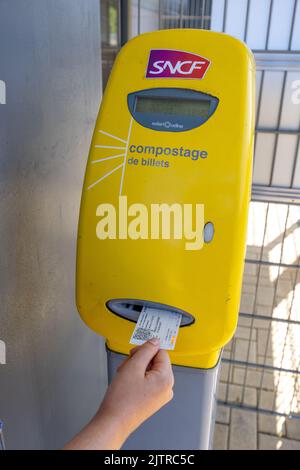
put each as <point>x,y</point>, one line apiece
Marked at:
<point>208,232</point>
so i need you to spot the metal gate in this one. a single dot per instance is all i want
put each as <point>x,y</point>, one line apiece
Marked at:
<point>261,365</point>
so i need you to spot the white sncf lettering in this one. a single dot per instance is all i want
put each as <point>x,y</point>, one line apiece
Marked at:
<point>157,66</point>
<point>184,67</point>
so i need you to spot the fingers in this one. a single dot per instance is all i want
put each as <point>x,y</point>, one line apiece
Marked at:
<point>144,354</point>
<point>161,364</point>
<point>123,363</point>
<point>133,351</point>
<point>161,361</point>
<point>131,354</point>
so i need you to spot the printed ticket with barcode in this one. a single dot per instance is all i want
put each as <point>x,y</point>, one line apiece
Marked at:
<point>157,323</point>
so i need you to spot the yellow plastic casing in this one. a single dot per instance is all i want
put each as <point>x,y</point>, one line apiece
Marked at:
<point>207,282</point>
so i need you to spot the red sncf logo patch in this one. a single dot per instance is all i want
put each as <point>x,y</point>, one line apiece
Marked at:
<point>167,63</point>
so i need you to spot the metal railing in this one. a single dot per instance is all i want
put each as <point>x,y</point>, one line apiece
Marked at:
<point>269,364</point>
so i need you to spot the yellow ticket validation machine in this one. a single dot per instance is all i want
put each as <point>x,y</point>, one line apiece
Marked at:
<point>173,138</point>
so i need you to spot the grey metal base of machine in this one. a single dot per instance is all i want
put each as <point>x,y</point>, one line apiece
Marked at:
<point>187,422</point>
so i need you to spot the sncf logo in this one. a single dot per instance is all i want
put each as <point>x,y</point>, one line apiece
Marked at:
<point>167,63</point>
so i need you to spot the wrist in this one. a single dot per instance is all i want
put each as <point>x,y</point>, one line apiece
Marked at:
<point>113,424</point>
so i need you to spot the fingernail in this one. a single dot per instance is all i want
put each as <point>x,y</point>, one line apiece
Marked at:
<point>154,341</point>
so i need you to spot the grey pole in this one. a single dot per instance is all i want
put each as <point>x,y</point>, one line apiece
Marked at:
<point>187,422</point>
<point>124,7</point>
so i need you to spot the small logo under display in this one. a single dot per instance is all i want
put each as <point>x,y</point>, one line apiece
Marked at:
<point>167,124</point>
<point>167,63</point>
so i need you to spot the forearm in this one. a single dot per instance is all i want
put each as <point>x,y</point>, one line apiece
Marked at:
<point>142,385</point>
<point>102,433</point>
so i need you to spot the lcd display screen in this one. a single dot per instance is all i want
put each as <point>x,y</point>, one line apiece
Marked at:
<point>172,106</point>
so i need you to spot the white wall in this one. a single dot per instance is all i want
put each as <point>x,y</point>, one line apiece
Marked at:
<point>55,371</point>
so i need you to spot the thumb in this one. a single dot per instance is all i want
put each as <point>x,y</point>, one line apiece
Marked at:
<point>144,354</point>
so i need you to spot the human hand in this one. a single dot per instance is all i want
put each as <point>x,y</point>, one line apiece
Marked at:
<point>142,385</point>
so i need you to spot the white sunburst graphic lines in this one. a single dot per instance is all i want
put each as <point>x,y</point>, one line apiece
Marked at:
<point>113,136</point>
<point>105,176</point>
<point>112,157</point>
<point>125,157</point>
<point>108,158</point>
